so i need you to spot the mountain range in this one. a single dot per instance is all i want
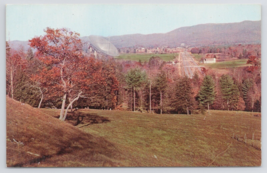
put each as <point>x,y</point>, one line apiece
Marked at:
<point>246,32</point>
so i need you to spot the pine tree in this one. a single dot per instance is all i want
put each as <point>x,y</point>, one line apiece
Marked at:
<point>257,106</point>
<point>235,97</point>
<point>226,88</point>
<point>206,94</point>
<point>25,91</point>
<point>246,86</point>
<point>134,79</point>
<point>183,101</point>
<point>230,92</point>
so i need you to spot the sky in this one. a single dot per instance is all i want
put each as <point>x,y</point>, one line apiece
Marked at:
<point>23,22</point>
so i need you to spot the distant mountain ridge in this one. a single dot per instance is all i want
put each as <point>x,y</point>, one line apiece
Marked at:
<point>198,35</point>
<point>246,32</point>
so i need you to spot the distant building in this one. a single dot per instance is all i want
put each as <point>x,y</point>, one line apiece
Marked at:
<point>209,60</point>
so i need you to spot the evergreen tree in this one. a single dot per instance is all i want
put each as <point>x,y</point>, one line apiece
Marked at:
<point>161,84</point>
<point>257,106</point>
<point>206,94</point>
<point>247,85</point>
<point>183,101</point>
<point>25,91</point>
<point>235,97</point>
<point>134,79</point>
<point>230,92</point>
<point>226,88</point>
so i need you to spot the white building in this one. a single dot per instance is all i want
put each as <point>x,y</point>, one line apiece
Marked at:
<point>209,60</point>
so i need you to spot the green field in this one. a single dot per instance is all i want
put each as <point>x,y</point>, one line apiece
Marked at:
<point>181,140</point>
<point>197,57</point>
<point>228,64</point>
<point>146,57</point>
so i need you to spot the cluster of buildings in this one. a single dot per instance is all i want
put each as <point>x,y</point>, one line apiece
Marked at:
<point>159,50</point>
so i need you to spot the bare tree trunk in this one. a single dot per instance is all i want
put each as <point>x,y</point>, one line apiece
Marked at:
<point>63,107</point>
<point>134,99</point>
<point>40,103</point>
<point>160,102</point>
<point>65,94</point>
<point>70,104</point>
<point>208,106</point>
<point>150,97</point>
<point>11,83</point>
<point>187,110</point>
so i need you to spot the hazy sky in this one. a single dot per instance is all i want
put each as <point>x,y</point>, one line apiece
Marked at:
<point>24,22</point>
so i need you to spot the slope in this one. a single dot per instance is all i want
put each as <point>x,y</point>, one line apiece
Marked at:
<point>37,139</point>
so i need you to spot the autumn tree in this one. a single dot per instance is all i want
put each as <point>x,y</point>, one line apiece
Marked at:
<point>30,55</point>
<point>254,62</point>
<point>66,72</point>
<point>14,63</point>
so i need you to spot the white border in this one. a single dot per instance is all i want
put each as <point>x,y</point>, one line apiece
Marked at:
<point>3,168</point>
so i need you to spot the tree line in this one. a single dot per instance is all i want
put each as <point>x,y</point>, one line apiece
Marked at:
<point>56,73</point>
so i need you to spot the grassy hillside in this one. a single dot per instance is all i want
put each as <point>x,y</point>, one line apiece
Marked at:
<point>181,140</point>
<point>146,57</point>
<point>37,139</point>
<point>122,138</point>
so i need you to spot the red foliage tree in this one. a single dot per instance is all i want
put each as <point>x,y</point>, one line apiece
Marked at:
<point>67,73</point>
<point>14,62</point>
<point>253,60</point>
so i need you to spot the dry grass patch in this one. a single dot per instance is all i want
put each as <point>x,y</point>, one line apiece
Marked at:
<point>38,139</point>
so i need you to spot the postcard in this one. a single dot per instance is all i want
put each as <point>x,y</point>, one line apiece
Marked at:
<point>109,85</point>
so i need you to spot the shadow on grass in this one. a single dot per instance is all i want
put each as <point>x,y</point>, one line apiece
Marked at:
<point>75,118</point>
<point>35,160</point>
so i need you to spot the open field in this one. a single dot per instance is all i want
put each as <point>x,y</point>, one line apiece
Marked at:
<point>123,138</point>
<point>181,140</point>
<point>197,57</point>
<point>228,64</point>
<point>146,57</point>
